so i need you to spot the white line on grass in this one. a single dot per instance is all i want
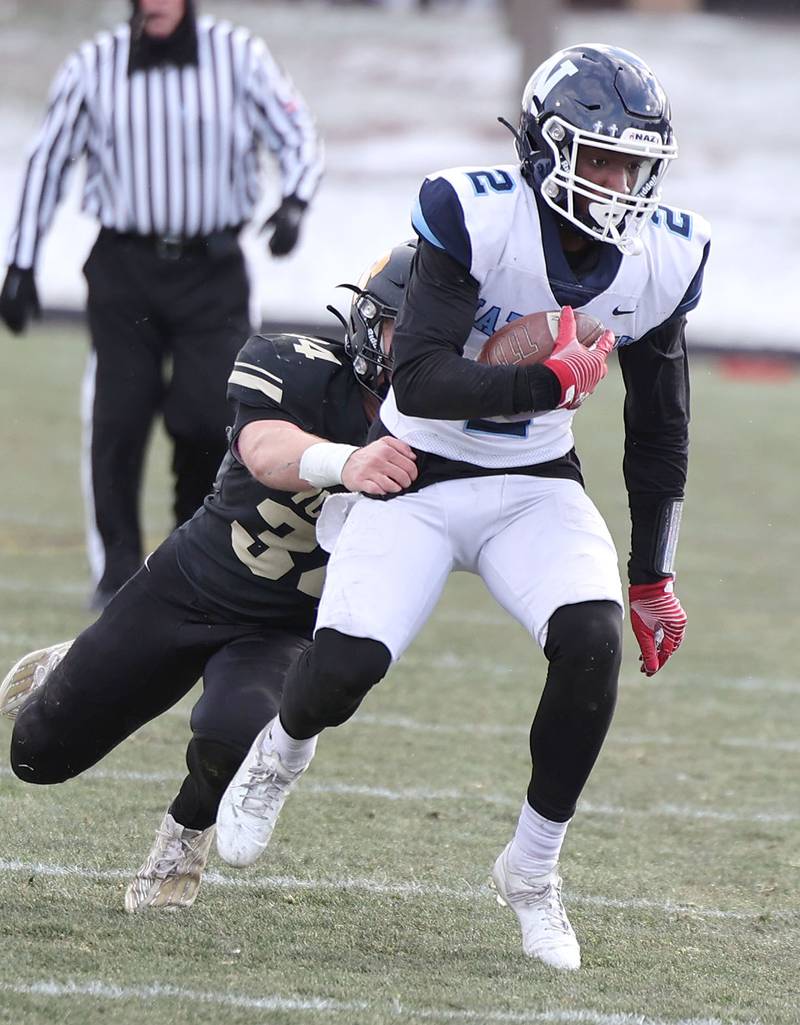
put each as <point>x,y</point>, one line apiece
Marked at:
<point>455,794</point>
<point>451,662</point>
<point>99,989</point>
<point>412,888</point>
<point>403,722</point>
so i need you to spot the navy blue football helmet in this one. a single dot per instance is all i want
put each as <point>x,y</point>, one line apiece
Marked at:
<point>377,299</point>
<point>604,97</point>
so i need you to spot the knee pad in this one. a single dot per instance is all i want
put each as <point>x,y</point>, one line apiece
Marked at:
<point>351,665</point>
<point>589,632</point>
<point>36,756</point>
<point>213,763</point>
<point>330,680</point>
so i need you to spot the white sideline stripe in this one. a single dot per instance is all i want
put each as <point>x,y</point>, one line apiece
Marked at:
<point>159,991</point>
<point>454,794</point>
<point>402,889</point>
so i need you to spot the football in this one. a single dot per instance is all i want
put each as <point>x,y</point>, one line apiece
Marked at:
<point>530,339</point>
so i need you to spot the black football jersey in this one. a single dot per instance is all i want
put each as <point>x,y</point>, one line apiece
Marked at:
<point>252,550</point>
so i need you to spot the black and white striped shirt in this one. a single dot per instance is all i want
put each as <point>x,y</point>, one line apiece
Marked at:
<point>170,151</point>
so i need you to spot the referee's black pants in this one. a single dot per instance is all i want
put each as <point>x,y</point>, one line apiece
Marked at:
<point>166,324</point>
<point>148,648</point>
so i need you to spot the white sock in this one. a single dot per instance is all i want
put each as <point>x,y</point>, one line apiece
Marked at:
<point>295,754</point>
<point>537,843</point>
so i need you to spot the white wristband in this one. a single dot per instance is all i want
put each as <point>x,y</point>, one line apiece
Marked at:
<point>322,464</point>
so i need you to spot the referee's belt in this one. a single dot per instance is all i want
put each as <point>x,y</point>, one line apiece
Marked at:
<point>174,247</point>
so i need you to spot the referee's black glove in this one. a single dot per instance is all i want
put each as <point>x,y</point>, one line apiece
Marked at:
<point>19,300</point>
<point>285,223</point>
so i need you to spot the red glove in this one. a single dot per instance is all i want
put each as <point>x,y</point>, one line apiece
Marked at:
<point>658,620</point>
<point>579,370</point>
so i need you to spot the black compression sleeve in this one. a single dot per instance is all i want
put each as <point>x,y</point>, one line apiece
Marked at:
<point>430,378</point>
<point>656,375</point>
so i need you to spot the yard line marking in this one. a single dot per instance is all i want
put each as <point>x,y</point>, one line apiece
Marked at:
<point>44,587</point>
<point>402,722</point>
<point>100,989</point>
<point>455,794</point>
<point>452,662</point>
<point>412,888</point>
<point>767,744</point>
<point>273,1002</point>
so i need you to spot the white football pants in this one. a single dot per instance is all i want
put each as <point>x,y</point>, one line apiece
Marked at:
<point>536,542</point>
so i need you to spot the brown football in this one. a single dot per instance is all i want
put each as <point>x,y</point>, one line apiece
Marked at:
<point>530,339</point>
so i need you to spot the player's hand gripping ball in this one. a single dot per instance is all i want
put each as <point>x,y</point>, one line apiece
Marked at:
<point>574,346</point>
<point>531,339</point>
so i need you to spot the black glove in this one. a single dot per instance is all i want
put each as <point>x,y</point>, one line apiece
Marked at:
<point>286,224</point>
<point>19,300</point>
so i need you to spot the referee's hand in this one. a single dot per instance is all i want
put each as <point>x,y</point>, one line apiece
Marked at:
<point>285,223</point>
<point>19,300</point>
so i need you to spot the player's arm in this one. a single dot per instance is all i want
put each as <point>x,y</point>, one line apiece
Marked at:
<point>655,465</point>
<point>656,458</point>
<point>430,377</point>
<point>282,455</point>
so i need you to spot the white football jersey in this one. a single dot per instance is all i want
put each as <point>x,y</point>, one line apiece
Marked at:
<point>488,220</point>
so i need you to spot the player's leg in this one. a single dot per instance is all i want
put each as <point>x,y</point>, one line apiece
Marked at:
<point>242,686</point>
<point>122,391</point>
<point>554,567</point>
<point>207,309</point>
<point>142,654</point>
<point>388,568</point>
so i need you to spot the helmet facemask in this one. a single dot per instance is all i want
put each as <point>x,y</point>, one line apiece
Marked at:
<point>611,216</point>
<point>606,98</point>
<point>372,365</point>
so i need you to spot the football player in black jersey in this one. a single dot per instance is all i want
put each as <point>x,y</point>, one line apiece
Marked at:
<point>232,594</point>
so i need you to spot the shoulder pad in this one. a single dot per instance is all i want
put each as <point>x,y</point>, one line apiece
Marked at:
<point>679,242</point>
<point>288,372</point>
<point>464,209</point>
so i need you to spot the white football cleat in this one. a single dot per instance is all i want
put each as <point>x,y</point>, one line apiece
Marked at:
<point>250,806</point>
<point>173,870</point>
<point>546,932</point>
<point>28,675</point>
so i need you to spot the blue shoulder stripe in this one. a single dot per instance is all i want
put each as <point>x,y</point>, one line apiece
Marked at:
<point>439,218</point>
<point>693,292</point>
<point>422,228</point>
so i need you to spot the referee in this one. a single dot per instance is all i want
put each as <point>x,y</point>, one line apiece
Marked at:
<point>172,112</point>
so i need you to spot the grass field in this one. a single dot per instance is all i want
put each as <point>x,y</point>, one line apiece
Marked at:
<point>681,868</point>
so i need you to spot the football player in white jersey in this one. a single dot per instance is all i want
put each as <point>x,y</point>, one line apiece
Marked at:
<point>577,223</point>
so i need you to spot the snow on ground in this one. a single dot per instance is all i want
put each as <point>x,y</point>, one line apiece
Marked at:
<point>399,93</point>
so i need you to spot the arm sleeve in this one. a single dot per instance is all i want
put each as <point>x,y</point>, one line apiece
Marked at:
<point>656,375</point>
<point>60,142</point>
<point>282,121</point>
<point>430,376</point>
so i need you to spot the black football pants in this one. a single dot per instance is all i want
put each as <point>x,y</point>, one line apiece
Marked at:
<point>149,647</point>
<point>165,331</point>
